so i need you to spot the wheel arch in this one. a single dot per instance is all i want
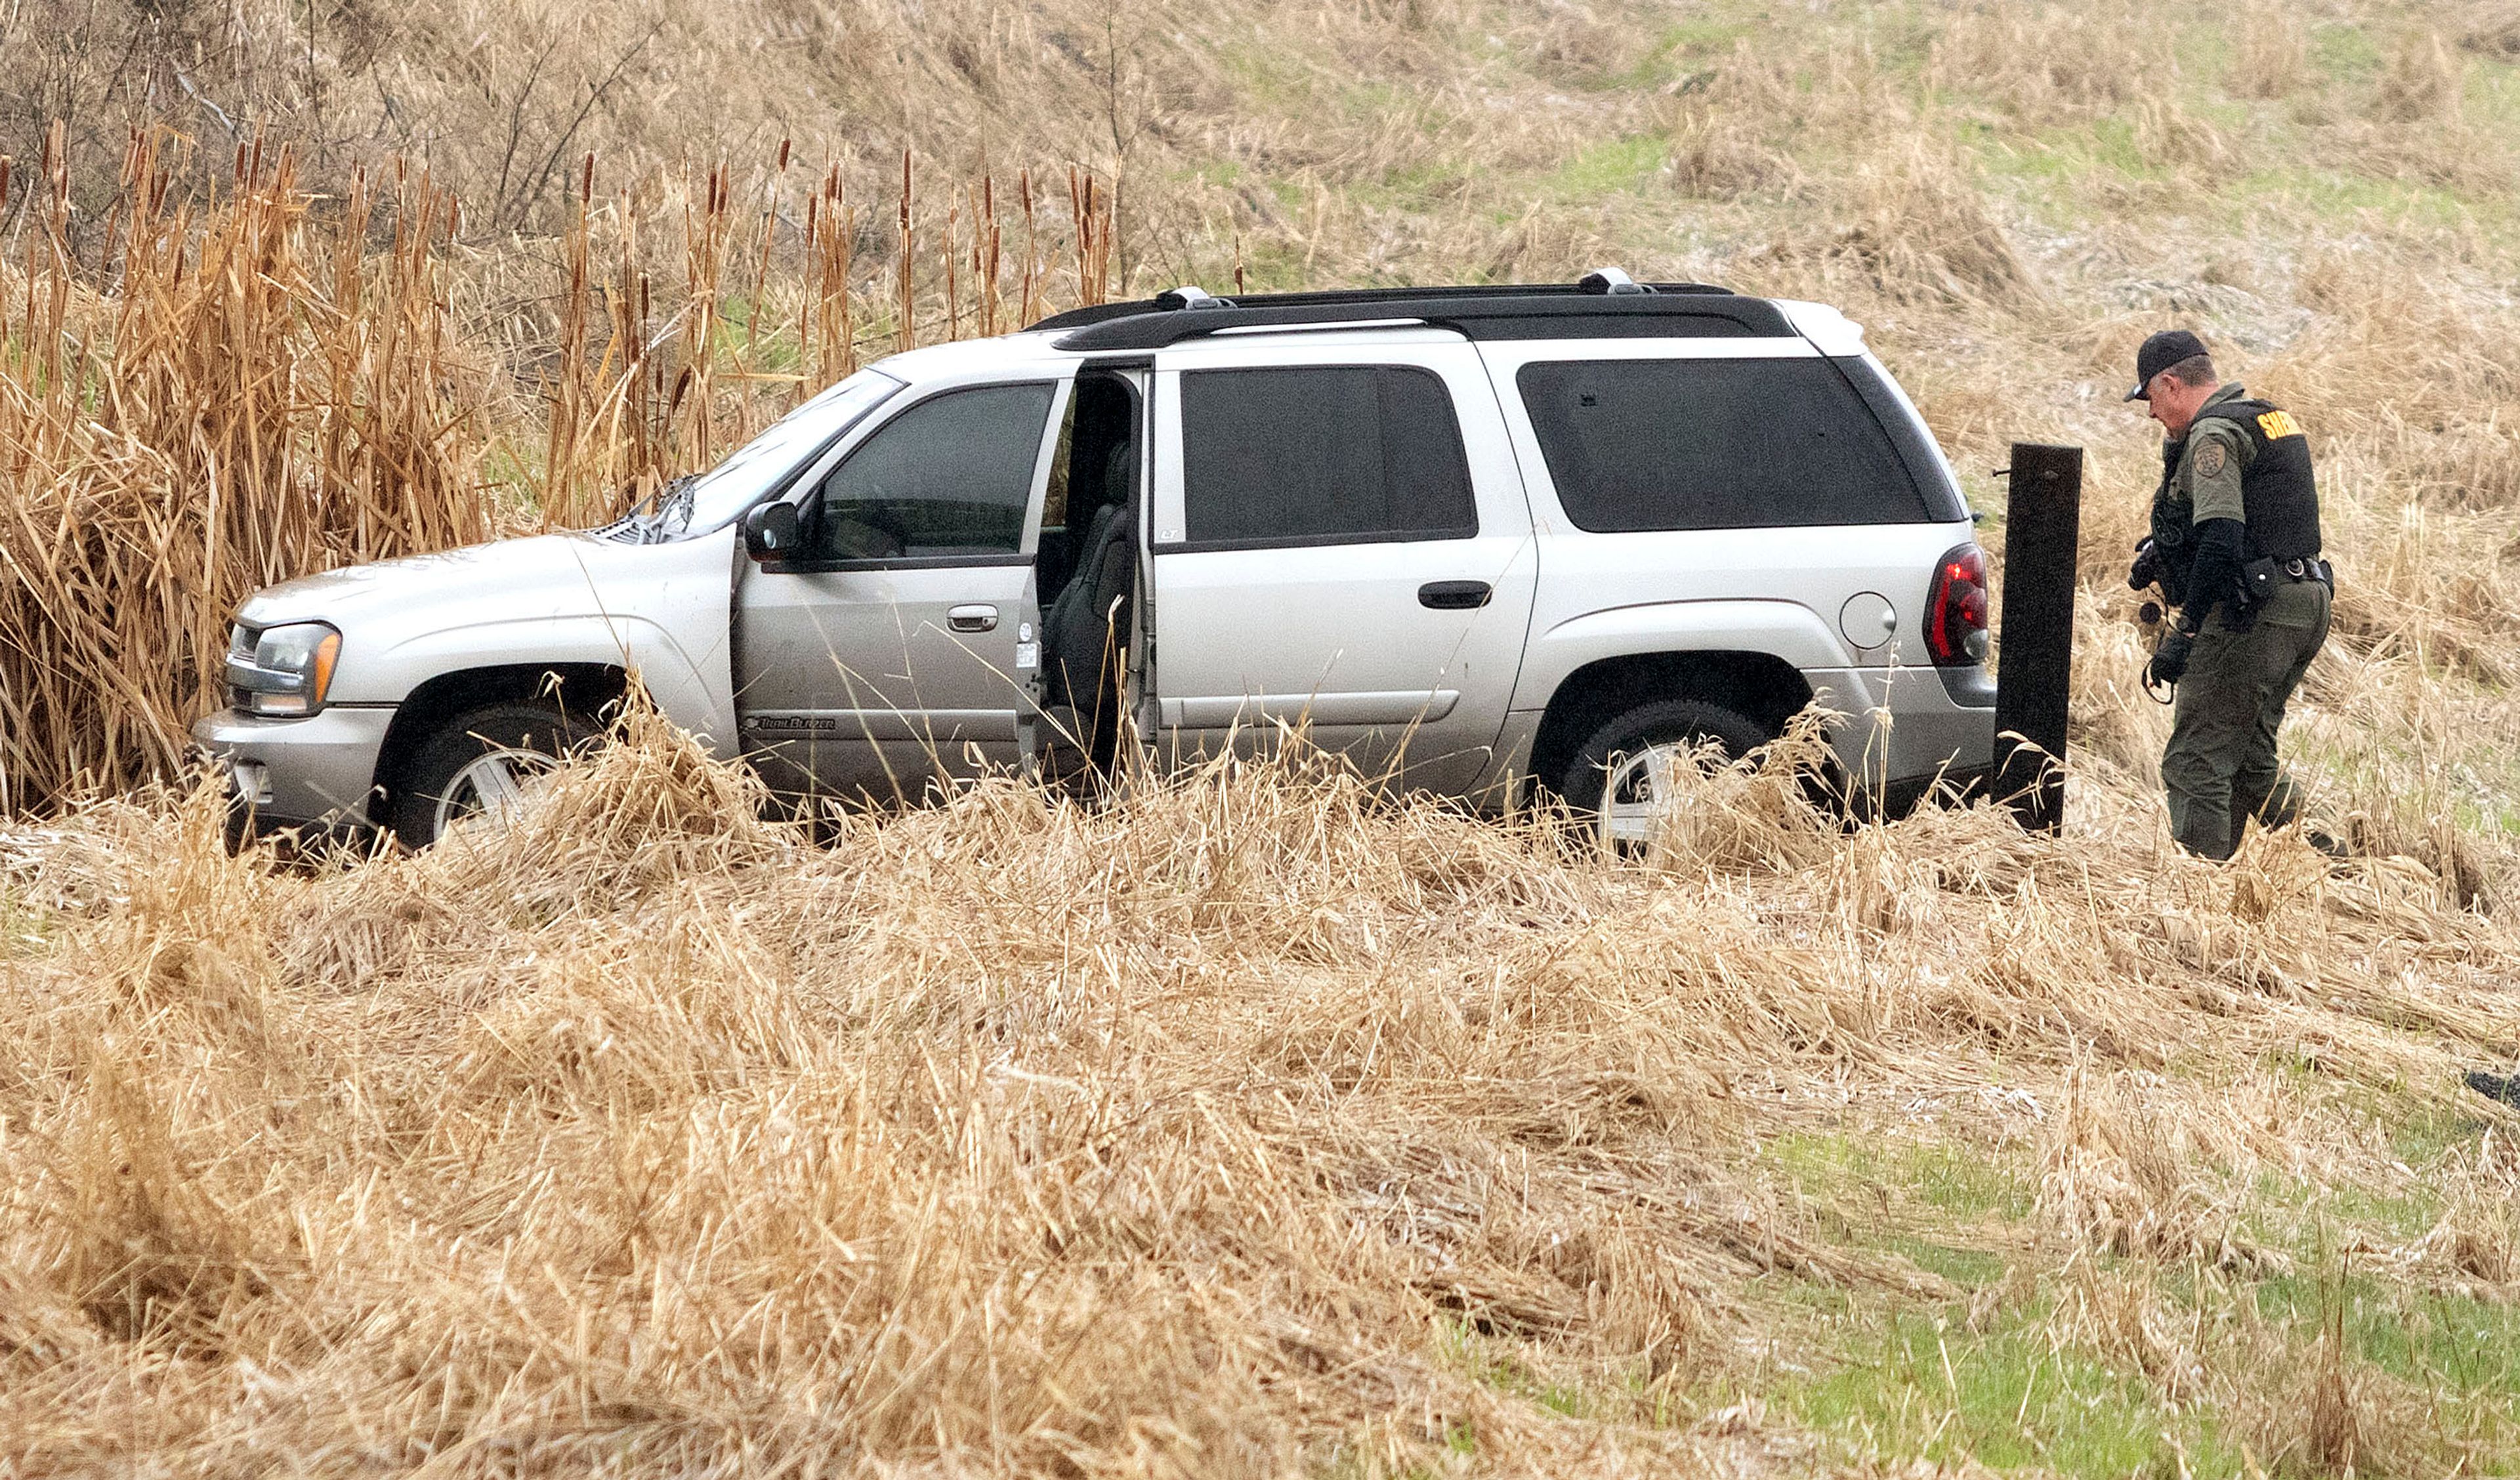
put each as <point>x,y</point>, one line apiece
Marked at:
<point>1760,686</point>
<point>585,689</point>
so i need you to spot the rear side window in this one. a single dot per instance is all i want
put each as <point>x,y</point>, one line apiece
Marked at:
<point>1320,456</point>
<point>1714,444</point>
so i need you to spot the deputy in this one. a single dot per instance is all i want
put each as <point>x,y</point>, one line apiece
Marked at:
<point>2234,546</point>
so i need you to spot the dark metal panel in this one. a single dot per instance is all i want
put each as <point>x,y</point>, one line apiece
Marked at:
<point>2043,525</point>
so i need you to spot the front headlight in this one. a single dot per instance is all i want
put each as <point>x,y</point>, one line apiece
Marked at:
<point>281,670</point>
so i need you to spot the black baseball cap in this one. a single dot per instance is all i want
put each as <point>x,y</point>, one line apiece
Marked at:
<point>2159,354</point>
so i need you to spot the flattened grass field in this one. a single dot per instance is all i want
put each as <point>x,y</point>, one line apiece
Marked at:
<point>1248,1122</point>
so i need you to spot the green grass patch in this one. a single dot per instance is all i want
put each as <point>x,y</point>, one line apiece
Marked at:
<point>2422,1132</point>
<point>1953,1179</point>
<point>2493,95</point>
<point>1612,167</point>
<point>2464,1353</point>
<point>1416,186</point>
<point>1971,1269</point>
<point>1920,1386</point>
<point>2347,52</point>
<point>513,475</point>
<point>1493,1362</point>
<point>2065,164</point>
<point>1267,76</point>
<point>1904,1384</point>
<point>2341,196</point>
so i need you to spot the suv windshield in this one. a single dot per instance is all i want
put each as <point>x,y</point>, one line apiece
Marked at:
<point>762,465</point>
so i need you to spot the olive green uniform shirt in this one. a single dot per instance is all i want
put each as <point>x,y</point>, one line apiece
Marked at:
<point>2208,481</point>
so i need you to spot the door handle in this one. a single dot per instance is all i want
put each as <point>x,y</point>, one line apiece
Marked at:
<point>978,617</point>
<point>1455,596</point>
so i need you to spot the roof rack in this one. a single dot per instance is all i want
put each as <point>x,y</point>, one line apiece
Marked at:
<point>1600,281</point>
<point>1604,302</point>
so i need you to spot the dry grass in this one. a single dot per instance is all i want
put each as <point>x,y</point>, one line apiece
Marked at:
<point>1173,1135</point>
<point>1251,1123</point>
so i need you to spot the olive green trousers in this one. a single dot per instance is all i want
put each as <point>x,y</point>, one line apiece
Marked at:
<point>2219,767</point>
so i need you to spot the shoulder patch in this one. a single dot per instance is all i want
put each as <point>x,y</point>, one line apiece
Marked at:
<point>2278,423</point>
<point>2211,458</point>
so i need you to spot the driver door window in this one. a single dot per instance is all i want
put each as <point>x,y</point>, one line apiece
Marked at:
<point>947,478</point>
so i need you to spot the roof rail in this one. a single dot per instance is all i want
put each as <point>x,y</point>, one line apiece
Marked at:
<point>1593,284</point>
<point>1598,308</point>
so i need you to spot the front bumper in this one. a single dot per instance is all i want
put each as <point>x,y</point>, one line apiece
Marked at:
<point>315,773</point>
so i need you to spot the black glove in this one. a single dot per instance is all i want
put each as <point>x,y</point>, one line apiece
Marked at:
<point>2147,568</point>
<point>2170,660</point>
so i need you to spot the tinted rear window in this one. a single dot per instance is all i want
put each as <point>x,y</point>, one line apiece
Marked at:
<point>1714,444</point>
<point>1322,455</point>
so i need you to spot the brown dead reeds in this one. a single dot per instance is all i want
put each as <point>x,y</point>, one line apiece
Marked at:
<point>2271,58</point>
<point>1250,1121</point>
<point>251,397</point>
<point>2423,84</point>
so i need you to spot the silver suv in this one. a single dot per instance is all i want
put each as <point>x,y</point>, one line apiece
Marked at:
<point>1476,539</point>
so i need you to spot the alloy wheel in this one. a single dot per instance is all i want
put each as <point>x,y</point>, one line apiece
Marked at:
<point>497,785</point>
<point>1638,799</point>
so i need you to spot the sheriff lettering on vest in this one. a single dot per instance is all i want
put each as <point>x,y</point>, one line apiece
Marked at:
<point>2234,547</point>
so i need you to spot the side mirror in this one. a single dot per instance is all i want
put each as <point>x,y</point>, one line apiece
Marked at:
<point>771,531</point>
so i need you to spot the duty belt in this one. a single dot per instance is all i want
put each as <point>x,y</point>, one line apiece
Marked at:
<point>2310,568</point>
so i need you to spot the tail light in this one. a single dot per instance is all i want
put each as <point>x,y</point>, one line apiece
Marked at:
<point>1955,609</point>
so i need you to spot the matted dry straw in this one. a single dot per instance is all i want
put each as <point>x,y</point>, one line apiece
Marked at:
<point>1188,1134</point>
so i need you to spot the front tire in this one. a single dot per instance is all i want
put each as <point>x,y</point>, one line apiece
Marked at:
<point>1618,776</point>
<point>487,761</point>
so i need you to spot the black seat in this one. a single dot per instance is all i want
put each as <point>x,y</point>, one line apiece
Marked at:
<point>1078,631</point>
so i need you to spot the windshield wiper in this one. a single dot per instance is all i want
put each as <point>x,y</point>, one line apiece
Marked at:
<point>675,500</point>
<point>649,515</point>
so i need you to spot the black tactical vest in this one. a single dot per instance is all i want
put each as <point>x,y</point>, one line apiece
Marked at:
<point>2276,487</point>
<point>2279,496</point>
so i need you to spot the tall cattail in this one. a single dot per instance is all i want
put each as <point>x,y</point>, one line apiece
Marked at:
<point>1029,300</point>
<point>953,285</point>
<point>985,254</point>
<point>760,290</point>
<point>570,391</point>
<point>1090,207</point>
<point>831,230</point>
<point>902,258</point>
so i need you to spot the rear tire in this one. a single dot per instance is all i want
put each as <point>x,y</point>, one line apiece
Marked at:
<point>1628,747</point>
<point>487,760</point>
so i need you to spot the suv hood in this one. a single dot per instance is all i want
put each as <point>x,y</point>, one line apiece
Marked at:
<point>548,573</point>
<point>661,610</point>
